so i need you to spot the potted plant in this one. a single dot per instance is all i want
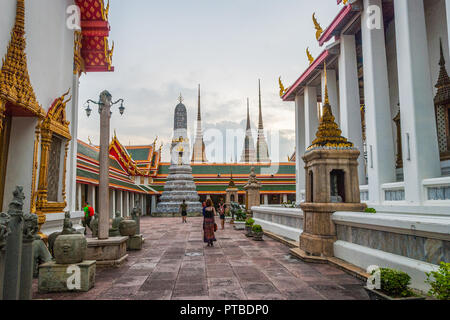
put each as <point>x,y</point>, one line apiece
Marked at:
<point>248,227</point>
<point>239,223</point>
<point>394,286</point>
<point>257,232</point>
<point>440,282</point>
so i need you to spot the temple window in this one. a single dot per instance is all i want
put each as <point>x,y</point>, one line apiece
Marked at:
<point>54,169</point>
<point>337,186</point>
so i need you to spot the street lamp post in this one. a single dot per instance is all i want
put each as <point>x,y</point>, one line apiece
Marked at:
<point>104,108</point>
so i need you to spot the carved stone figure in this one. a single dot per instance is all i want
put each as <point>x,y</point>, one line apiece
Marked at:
<point>67,229</point>
<point>70,248</point>
<point>4,228</point>
<point>41,254</point>
<point>114,231</point>
<point>30,226</point>
<point>128,228</point>
<point>94,226</point>
<point>136,216</point>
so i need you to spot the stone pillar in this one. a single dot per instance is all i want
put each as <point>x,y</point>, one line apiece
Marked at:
<point>30,229</point>
<point>252,192</point>
<point>4,231</point>
<point>91,195</point>
<point>311,116</point>
<point>132,195</point>
<point>13,256</point>
<point>266,199</point>
<point>285,198</point>
<point>299,146</point>
<point>350,100</point>
<point>418,121</point>
<point>119,205</point>
<point>380,142</point>
<point>332,93</point>
<point>141,201</point>
<point>153,207</point>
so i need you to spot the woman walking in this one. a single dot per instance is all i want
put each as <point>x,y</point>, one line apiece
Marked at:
<point>209,224</point>
<point>183,209</point>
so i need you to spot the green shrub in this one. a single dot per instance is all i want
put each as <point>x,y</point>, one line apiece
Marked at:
<point>395,283</point>
<point>370,210</point>
<point>257,228</point>
<point>241,215</point>
<point>249,222</point>
<point>440,286</point>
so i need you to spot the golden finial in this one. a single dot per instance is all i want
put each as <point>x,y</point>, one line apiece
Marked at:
<point>319,29</point>
<point>344,2</point>
<point>154,142</point>
<point>310,57</point>
<point>180,98</point>
<point>90,142</point>
<point>328,133</point>
<point>115,135</point>
<point>327,101</point>
<point>282,89</point>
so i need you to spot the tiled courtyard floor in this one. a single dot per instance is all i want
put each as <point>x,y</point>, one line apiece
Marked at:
<point>175,264</point>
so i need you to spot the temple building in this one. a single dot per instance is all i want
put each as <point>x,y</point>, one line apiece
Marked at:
<point>389,93</point>
<point>40,71</point>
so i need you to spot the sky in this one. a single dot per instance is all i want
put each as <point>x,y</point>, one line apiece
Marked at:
<point>164,48</point>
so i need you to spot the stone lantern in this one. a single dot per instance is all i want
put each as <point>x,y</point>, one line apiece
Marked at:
<point>252,192</point>
<point>331,168</point>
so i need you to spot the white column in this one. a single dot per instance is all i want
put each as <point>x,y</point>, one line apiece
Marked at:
<point>141,203</point>
<point>119,202</point>
<point>418,121</point>
<point>112,203</point>
<point>311,116</point>
<point>133,199</point>
<point>380,143</point>
<point>153,207</point>
<point>285,198</point>
<point>266,199</point>
<point>447,8</point>
<point>91,195</point>
<point>332,92</point>
<point>300,146</point>
<point>79,205</point>
<point>350,100</point>
<point>126,204</point>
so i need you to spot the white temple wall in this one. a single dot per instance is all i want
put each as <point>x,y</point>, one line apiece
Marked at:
<point>391,55</point>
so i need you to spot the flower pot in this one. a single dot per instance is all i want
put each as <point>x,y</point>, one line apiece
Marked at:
<point>70,249</point>
<point>249,231</point>
<point>258,236</point>
<point>239,225</point>
<point>378,295</point>
<point>128,228</point>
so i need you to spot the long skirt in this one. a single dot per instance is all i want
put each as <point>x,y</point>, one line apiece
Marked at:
<point>208,230</point>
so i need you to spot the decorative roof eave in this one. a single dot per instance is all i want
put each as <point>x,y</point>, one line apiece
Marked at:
<point>347,13</point>
<point>15,83</point>
<point>316,65</point>
<point>122,156</point>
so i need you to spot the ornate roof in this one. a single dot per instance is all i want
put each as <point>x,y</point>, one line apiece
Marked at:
<point>15,84</point>
<point>95,27</point>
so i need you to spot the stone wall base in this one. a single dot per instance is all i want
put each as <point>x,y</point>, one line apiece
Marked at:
<point>54,277</point>
<point>108,253</point>
<point>135,242</point>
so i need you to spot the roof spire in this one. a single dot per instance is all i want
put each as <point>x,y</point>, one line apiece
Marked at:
<point>443,84</point>
<point>199,115</point>
<point>260,125</point>
<point>248,114</point>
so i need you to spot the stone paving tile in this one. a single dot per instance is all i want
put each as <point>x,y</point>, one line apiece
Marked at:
<point>175,264</point>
